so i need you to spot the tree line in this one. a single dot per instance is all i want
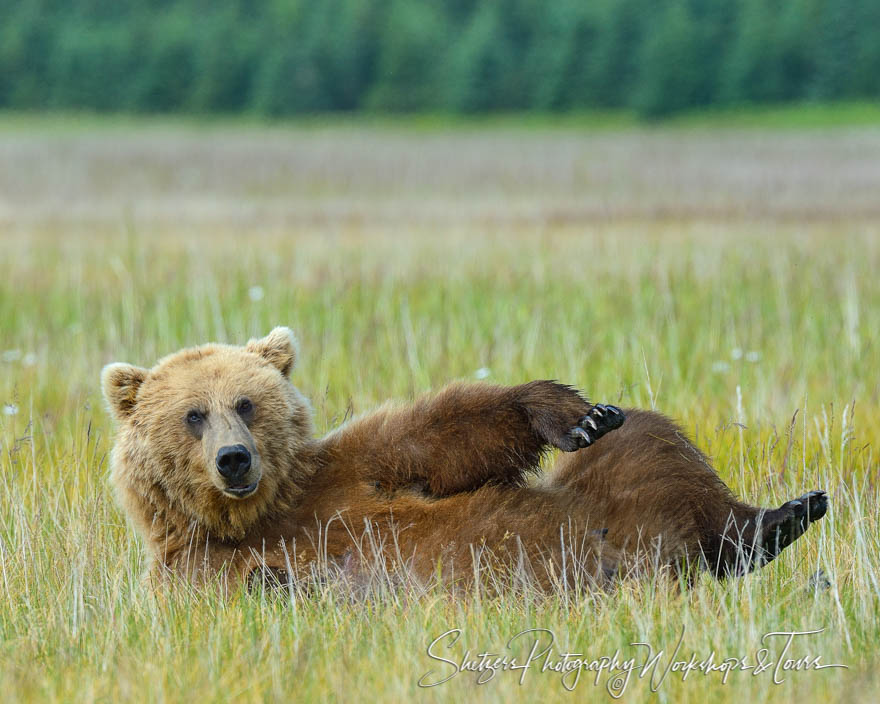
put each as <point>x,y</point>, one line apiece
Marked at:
<point>285,57</point>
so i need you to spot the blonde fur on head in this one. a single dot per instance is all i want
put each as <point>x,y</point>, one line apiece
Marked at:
<point>165,467</point>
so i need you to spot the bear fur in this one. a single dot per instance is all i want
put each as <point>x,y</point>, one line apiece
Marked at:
<point>217,465</point>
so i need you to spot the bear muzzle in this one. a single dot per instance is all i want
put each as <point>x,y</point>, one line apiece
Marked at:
<point>234,465</point>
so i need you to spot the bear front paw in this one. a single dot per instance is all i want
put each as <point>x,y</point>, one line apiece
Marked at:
<point>600,420</point>
<point>267,578</point>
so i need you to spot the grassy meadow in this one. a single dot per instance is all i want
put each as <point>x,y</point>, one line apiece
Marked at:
<point>725,275</point>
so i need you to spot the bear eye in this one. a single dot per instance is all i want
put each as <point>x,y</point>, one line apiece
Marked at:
<point>244,407</point>
<point>194,417</point>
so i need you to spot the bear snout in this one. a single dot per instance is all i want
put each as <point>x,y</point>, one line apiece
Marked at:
<point>233,462</point>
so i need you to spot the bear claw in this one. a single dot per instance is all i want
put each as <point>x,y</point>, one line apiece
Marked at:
<point>600,420</point>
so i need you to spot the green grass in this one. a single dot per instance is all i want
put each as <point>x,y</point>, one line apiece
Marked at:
<point>784,116</point>
<point>774,116</point>
<point>730,324</point>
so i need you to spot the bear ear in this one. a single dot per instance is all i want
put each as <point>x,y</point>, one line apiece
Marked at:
<point>279,348</point>
<point>120,383</point>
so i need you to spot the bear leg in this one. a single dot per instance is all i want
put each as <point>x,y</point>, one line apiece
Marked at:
<point>658,495</point>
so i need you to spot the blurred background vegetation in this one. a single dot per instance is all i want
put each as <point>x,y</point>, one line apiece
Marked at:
<point>287,57</point>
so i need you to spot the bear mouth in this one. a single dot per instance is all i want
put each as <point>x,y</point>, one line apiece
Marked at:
<point>240,492</point>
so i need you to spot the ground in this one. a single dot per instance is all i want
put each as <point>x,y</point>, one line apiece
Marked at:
<point>724,275</point>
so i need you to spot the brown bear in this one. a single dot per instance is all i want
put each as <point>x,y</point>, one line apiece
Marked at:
<point>217,465</point>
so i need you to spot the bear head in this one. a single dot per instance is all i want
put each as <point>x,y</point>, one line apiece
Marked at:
<point>212,436</point>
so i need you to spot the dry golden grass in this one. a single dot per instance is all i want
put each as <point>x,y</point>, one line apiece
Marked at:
<point>726,277</point>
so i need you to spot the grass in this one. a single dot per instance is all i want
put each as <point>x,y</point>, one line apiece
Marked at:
<point>798,115</point>
<point>726,278</point>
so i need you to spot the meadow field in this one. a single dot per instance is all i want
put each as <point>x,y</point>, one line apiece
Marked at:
<point>725,275</point>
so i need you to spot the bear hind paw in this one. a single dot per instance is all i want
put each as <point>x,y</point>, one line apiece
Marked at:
<point>790,521</point>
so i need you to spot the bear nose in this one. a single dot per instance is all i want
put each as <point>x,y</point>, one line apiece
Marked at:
<point>233,461</point>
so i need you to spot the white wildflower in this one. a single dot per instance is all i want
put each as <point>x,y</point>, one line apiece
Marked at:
<point>256,293</point>
<point>482,373</point>
<point>11,355</point>
<point>753,356</point>
<point>720,367</point>
<point>736,353</point>
<point>10,409</point>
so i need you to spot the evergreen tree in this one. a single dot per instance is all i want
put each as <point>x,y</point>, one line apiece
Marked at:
<point>479,64</point>
<point>411,59</point>
<point>284,57</point>
<point>669,78</point>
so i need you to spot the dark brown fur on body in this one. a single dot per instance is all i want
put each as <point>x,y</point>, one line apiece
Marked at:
<point>429,485</point>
